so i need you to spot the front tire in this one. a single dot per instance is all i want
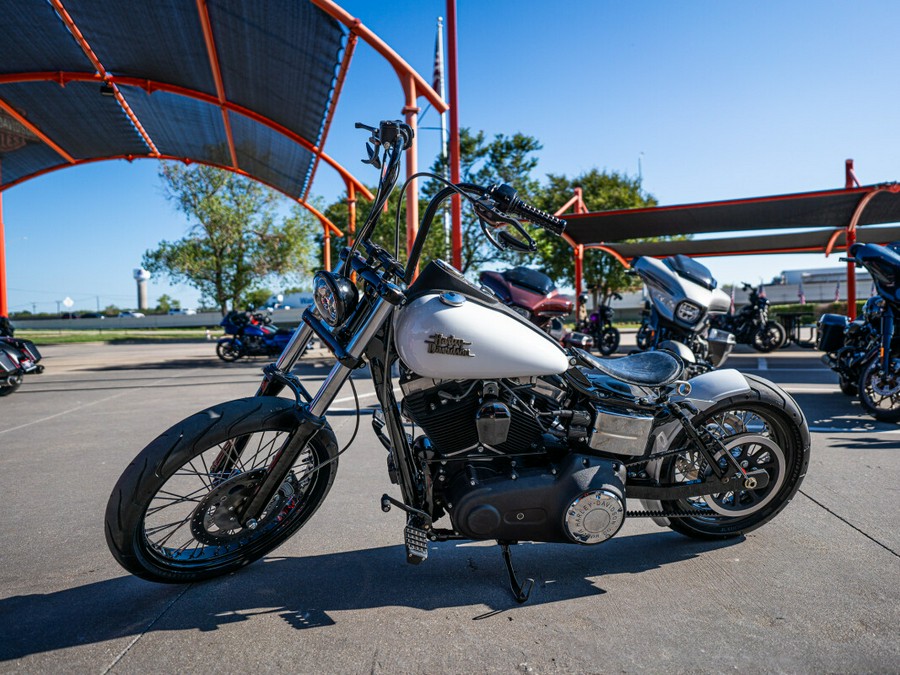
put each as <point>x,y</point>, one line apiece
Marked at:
<point>229,350</point>
<point>769,337</point>
<point>608,341</point>
<point>764,429</point>
<point>880,394</point>
<point>169,517</point>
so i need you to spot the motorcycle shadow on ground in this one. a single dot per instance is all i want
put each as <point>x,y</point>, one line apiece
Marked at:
<point>305,591</point>
<point>837,413</point>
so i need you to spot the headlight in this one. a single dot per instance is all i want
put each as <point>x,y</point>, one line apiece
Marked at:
<point>688,312</point>
<point>335,297</point>
<point>660,298</point>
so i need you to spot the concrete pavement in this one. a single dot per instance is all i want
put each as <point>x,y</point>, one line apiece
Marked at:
<point>816,590</point>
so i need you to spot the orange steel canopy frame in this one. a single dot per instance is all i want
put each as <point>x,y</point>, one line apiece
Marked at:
<point>820,218</point>
<point>250,87</point>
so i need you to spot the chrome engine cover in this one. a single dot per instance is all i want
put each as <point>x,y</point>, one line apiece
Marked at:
<point>594,517</point>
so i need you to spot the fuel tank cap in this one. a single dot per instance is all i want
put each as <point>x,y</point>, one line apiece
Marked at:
<point>452,299</point>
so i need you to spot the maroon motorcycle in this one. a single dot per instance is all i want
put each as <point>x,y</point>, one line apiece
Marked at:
<point>534,295</point>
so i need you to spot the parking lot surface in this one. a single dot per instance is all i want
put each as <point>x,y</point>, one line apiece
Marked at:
<point>816,590</point>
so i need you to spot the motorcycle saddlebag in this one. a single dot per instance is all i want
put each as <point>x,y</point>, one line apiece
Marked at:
<point>830,332</point>
<point>27,347</point>
<point>7,365</point>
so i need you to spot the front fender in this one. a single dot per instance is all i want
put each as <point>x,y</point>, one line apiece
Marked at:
<point>706,391</point>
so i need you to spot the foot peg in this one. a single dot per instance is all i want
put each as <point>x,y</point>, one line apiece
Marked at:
<point>416,544</point>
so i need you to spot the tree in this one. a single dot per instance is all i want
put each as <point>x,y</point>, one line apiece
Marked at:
<point>602,191</point>
<point>504,159</point>
<point>165,303</point>
<point>258,297</point>
<point>236,240</point>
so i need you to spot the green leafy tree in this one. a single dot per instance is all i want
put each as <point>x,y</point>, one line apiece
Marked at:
<point>236,239</point>
<point>602,191</point>
<point>164,303</point>
<point>258,297</point>
<point>502,159</point>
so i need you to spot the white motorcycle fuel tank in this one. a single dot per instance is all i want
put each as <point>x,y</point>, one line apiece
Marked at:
<point>444,335</point>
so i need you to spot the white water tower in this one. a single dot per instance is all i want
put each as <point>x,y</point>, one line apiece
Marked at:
<point>140,276</point>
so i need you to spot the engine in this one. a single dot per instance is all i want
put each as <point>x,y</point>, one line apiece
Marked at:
<point>506,461</point>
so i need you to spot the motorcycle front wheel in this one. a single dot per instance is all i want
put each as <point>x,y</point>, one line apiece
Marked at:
<point>229,350</point>
<point>879,393</point>
<point>769,337</point>
<point>608,341</point>
<point>171,517</point>
<point>760,433</point>
<point>644,337</point>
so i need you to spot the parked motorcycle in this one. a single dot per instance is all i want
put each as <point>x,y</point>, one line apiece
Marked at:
<point>683,296</point>
<point>533,295</point>
<point>645,332</point>
<point>599,326</point>
<point>17,358</point>
<point>521,439</point>
<point>849,345</point>
<point>871,352</point>
<point>250,334</point>
<point>751,324</point>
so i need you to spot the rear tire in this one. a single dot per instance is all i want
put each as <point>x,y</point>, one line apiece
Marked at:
<point>775,438</point>
<point>880,396</point>
<point>169,517</point>
<point>8,389</point>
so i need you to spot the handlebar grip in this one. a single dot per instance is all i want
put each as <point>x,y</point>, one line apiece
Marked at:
<point>538,217</point>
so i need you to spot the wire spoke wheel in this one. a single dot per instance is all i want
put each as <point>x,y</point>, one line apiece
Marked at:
<point>182,521</point>
<point>758,437</point>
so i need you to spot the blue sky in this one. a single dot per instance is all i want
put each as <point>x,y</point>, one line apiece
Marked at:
<point>715,100</point>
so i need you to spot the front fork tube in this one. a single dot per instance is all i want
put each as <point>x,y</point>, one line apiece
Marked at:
<point>887,335</point>
<point>312,416</point>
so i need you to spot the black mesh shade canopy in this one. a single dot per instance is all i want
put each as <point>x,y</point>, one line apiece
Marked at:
<point>243,85</point>
<point>818,221</point>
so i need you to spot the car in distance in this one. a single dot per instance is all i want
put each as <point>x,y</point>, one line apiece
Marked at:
<point>131,315</point>
<point>182,312</point>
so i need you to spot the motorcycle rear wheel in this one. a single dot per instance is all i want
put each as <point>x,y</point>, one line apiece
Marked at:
<point>8,389</point>
<point>769,337</point>
<point>880,396</point>
<point>608,341</point>
<point>763,432</point>
<point>229,351</point>
<point>170,518</point>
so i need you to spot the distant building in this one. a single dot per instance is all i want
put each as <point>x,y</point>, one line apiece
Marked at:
<point>829,275</point>
<point>290,300</point>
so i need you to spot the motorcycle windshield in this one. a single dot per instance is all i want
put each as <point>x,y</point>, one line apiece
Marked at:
<point>692,270</point>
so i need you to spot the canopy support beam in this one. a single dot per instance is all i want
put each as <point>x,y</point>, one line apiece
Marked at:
<point>577,203</point>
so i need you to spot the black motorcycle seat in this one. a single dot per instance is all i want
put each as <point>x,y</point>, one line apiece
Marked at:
<point>653,369</point>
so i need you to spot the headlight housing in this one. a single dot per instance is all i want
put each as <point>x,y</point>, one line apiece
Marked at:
<point>661,299</point>
<point>688,312</point>
<point>334,296</point>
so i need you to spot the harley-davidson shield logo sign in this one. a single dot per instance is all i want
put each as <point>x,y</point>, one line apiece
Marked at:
<point>449,345</point>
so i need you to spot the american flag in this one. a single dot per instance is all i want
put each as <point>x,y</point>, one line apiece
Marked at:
<point>801,294</point>
<point>731,309</point>
<point>837,291</point>
<point>437,78</point>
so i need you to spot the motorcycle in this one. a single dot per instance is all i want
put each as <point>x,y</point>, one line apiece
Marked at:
<point>599,326</point>
<point>849,345</point>
<point>751,325</point>
<point>521,439</point>
<point>683,298</point>
<point>251,334</point>
<point>645,332</point>
<point>17,359</point>
<point>879,379</point>
<point>534,296</point>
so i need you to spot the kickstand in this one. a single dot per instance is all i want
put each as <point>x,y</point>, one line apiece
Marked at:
<point>520,592</point>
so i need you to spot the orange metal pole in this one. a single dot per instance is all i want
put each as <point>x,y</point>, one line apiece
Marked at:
<point>453,146</point>
<point>4,307</point>
<point>212,53</point>
<point>849,179</point>
<point>327,249</point>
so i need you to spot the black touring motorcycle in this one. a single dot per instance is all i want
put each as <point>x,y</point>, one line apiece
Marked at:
<point>522,439</point>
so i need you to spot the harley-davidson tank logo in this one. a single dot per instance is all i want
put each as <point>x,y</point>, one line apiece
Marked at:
<point>447,344</point>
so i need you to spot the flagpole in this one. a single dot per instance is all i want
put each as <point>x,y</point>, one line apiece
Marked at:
<point>452,81</point>
<point>439,80</point>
